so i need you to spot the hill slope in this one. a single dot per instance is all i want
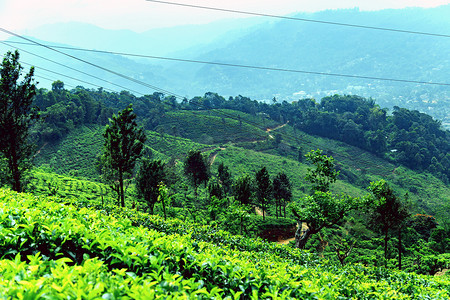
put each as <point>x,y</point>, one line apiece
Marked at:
<point>77,153</point>
<point>69,252</point>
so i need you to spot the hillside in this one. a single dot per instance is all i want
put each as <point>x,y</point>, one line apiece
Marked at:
<point>68,252</point>
<point>367,143</point>
<point>430,195</point>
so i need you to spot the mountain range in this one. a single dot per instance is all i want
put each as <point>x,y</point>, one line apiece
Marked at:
<point>308,49</point>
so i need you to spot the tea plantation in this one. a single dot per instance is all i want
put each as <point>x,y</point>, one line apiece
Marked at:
<point>54,249</point>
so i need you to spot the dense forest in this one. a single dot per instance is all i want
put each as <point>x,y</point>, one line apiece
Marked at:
<point>189,196</point>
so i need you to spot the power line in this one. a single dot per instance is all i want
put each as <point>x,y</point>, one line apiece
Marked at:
<point>299,19</point>
<point>200,105</point>
<point>80,80</point>
<point>70,68</point>
<point>177,96</point>
<point>250,66</point>
<point>217,111</point>
<point>89,63</point>
<point>67,76</point>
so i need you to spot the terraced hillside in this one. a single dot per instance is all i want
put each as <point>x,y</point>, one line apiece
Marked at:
<point>214,126</point>
<point>76,155</point>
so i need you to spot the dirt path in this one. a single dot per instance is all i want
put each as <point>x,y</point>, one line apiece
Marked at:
<point>441,273</point>
<point>285,242</point>
<point>275,128</point>
<point>39,151</point>
<point>259,211</point>
<point>268,130</point>
<point>212,156</point>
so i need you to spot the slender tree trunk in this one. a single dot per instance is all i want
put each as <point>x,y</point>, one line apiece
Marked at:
<point>242,223</point>
<point>16,177</point>
<point>164,207</point>
<point>400,248</point>
<point>385,248</point>
<point>276,209</point>
<point>151,205</point>
<point>15,170</point>
<point>122,194</point>
<point>264,210</point>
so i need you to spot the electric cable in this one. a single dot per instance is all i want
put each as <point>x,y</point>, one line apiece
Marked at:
<point>68,67</point>
<point>257,67</point>
<point>89,63</point>
<point>299,19</point>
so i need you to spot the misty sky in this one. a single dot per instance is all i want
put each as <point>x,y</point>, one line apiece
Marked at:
<point>141,15</point>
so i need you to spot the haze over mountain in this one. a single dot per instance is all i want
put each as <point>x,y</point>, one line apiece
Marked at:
<point>284,44</point>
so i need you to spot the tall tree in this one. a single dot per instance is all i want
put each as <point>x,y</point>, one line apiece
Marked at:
<point>225,178</point>
<point>263,189</point>
<point>243,189</point>
<point>387,213</point>
<point>322,209</point>
<point>282,192</point>
<point>17,114</point>
<point>124,142</point>
<point>196,168</point>
<point>149,179</point>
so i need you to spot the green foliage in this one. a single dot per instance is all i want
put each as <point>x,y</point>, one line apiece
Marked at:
<point>62,251</point>
<point>263,189</point>
<point>322,209</point>
<point>63,111</point>
<point>163,197</point>
<point>151,174</point>
<point>351,116</point>
<point>196,168</point>
<point>324,172</point>
<point>243,189</point>
<point>224,175</point>
<point>282,192</point>
<point>124,142</point>
<point>46,183</point>
<point>387,212</point>
<point>76,155</point>
<point>17,115</point>
<point>170,146</point>
<point>356,166</point>
<point>211,127</point>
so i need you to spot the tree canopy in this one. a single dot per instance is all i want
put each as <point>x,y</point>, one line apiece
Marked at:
<point>196,168</point>
<point>387,212</point>
<point>123,145</point>
<point>322,209</point>
<point>151,174</point>
<point>17,114</point>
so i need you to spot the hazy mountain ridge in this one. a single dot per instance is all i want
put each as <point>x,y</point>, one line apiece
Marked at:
<point>285,44</point>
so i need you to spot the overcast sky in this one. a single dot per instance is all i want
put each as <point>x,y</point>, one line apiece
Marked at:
<point>141,15</point>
